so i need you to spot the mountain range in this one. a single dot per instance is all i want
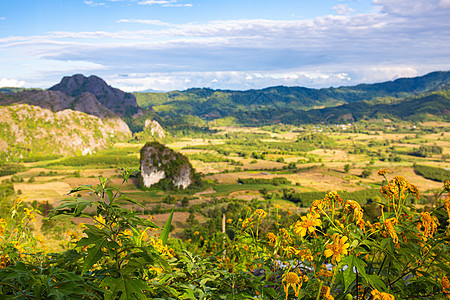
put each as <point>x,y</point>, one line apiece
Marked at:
<point>282,104</point>
<point>83,114</point>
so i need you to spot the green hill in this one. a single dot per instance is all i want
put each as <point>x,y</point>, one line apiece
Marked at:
<point>280,103</point>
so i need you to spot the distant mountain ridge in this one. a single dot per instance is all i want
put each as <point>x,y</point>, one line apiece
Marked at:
<point>271,104</point>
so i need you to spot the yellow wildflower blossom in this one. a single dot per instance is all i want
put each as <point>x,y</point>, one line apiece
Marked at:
<point>261,213</point>
<point>29,213</point>
<point>2,227</point>
<point>447,206</point>
<point>429,223</point>
<point>4,261</point>
<point>377,295</point>
<point>337,248</point>
<point>292,279</point>
<point>307,224</point>
<point>414,191</point>
<point>100,221</point>
<point>17,202</point>
<point>445,286</point>
<point>324,272</point>
<point>317,206</point>
<point>390,223</point>
<point>272,238</point>
<point>326,293</point>
<point>246,222</point>
<point>383,172</point>
<point>162,249</point>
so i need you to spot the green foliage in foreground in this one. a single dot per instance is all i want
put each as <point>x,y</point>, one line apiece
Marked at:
<point>331,253</point>
<point>433,173</point>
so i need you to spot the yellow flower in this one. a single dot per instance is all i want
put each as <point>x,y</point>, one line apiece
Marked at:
<point>196,233</point>
<point>4,261</point>
<point>307,224</point>
<point>429,223</point>
<point>390,223</point>
<point>445,286</point>
<point>261,213</point>
<point>292,279</point>
<point>447,186</point>
<point>317,206</point>
<point>29,214</point>
<point>272,238</point>
<point>229,221</point>
<point>325,293</point>
<point>162,249</point>
<point>447,206</point>
<point>100,221</point>
<point>2,226</point>
<point>246,222</point>
<point>324,272</point>
<point>337,248</point>
<point>414,190</point>
<point>400,181</point>
<point>17,202</point>
<point>144,235</point>
<point>383,172</point>
<point>381,295</point>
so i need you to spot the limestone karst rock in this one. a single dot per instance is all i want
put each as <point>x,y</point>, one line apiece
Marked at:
<point>161,163</point>
<point>118,101</point>
<point>155,128</point>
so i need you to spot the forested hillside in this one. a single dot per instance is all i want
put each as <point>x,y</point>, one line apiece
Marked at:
<point>282,104</point>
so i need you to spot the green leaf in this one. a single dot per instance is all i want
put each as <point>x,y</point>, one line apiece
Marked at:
<point>94,255</point>
<point>165,232</point>
<point>73,206</point>
<point>348,275</point>
<point>128,287</point>
<point>125,198</point>
<point>82,188</point>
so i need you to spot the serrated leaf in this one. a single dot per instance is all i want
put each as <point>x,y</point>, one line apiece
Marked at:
<point>376,282</point>
<point>128,287</point>
<point>94,255</point>
<point>166,230</point>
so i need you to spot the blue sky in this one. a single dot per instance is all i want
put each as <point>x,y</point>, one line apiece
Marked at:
<point>229,44</point>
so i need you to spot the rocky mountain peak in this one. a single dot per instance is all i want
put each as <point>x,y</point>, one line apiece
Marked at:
<point>116,100</point>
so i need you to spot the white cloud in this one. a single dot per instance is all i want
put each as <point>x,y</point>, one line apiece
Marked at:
<point>147,22</point>
<point>444,3</point>
<point>413,7</point>
<point>343,9</point>
<point>343,49</point>
<point>165,3</point>
<point>94,4</point>
<point>6,82</point>
<point>2,18</point>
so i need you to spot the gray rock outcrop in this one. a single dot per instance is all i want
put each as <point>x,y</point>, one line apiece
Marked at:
<point>159,162</point>
<point>155,128</point>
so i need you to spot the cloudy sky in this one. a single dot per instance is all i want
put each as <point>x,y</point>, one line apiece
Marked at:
<point>165,45</point>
